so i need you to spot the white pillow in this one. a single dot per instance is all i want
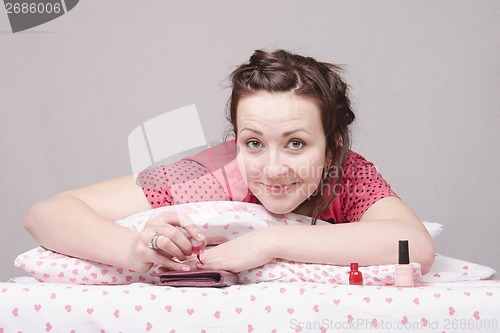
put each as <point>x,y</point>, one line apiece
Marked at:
<point>220,221</point>
<point>433,228</point>
<point>446,269</point>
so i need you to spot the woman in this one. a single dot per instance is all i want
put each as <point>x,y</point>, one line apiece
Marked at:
<point>290,115</point>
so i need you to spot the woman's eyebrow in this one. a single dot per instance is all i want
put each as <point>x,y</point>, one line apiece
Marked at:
<point>295,131</point>
<point>285,134</point>
<point>251,130</point>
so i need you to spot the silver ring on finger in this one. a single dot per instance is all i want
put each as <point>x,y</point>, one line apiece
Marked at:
<point>153,243</point>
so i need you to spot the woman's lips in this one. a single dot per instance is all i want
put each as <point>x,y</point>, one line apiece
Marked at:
<point>278,189</point>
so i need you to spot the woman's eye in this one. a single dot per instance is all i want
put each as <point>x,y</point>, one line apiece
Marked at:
<point>295,144</point>
<point>253,144</point>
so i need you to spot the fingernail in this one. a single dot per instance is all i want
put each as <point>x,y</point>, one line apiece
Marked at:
<point>186,268</point>
<point>200,236</point>
<point>196,246</point>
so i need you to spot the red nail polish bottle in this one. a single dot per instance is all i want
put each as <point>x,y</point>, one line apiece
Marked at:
<point>355,276</point>
<point>196,246</point>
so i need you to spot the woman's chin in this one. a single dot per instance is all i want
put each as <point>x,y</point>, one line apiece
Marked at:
<point>278,207</point>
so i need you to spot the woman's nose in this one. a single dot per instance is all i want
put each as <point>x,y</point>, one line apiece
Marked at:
<point>275,171</point>
<point>274,166</point>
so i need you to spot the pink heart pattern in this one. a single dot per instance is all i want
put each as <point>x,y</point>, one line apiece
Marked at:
<point>237,218</point>
<point>371,305</point>
<point>284,289</point>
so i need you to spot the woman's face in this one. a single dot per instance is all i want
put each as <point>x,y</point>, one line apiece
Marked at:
<point>281,148</point>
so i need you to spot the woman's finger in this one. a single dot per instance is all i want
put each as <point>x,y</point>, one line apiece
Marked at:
<point>164,255</point>
<point>182,219</point>
<point>173,235</point>
<point>173,245</point>
<point>169,264</point>
<point>174,242</point>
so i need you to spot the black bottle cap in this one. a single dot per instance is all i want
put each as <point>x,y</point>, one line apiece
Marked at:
<point>404,253</point>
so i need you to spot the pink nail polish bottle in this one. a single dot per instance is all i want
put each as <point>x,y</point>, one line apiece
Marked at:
<point>404,271</point>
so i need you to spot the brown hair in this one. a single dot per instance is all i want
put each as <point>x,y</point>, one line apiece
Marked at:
<point>282,71</point>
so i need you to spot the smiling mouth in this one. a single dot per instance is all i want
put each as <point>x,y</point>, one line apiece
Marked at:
<point>278,189</point>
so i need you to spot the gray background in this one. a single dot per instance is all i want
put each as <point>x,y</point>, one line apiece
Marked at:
<point>424,76</point>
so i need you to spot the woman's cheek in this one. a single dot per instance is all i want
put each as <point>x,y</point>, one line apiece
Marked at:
<point>242,165</point>
<point>249,170</point>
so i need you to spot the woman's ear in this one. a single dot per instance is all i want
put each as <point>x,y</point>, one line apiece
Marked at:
<point>338,140</point>
<point>328,159</point>
<point>328,164</point>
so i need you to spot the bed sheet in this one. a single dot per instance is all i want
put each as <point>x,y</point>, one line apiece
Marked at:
<point>262,307</point>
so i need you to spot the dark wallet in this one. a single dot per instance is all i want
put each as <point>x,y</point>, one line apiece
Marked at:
<point>198,278</point>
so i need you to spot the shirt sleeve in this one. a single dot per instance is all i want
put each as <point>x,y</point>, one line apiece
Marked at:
<point>182,182</point>
<point>362,187</point>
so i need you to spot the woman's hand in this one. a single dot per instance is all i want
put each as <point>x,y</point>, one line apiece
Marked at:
<point>248,251</point>
<point>174,246</point>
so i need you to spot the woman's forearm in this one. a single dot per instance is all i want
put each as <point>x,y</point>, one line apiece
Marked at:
<point>66,224</point>
<point>79,222</point>
<point>367,242</point>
